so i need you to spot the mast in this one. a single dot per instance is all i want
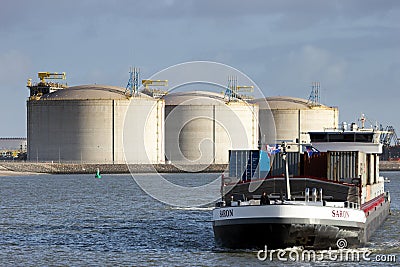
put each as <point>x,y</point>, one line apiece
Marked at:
<point>288,194</point>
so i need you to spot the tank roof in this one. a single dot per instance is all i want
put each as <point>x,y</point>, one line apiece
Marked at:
<point>194,98</point>
<point>286,102</point>
<point>90,91</point>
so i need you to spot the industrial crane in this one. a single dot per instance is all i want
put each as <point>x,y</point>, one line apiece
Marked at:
<point>132,88</point>
<point>245,88</point>
<point>51,75</point>
<point>232,91</point>
<point>148,83</point>
<point>390,142</point>
<point>389,136</point>
<point>157,93</point>
<point>43,87</point>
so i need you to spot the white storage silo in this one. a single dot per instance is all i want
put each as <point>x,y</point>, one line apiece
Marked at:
<point>86,124</point>
<point>201,127</point>
<point>294,117</point>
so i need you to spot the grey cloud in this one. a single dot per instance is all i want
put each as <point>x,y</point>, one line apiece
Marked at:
<point>293,13</point>
<point>281,45</point>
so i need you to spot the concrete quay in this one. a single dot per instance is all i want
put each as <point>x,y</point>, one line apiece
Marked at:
<point>74,168</point>
<point>389,166</point>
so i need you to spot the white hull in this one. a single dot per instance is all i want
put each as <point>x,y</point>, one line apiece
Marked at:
<point>283,225</point>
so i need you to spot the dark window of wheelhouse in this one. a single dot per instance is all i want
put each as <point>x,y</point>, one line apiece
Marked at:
<point>318,137</point>
<point>341,137</point>
<point>365,137</point>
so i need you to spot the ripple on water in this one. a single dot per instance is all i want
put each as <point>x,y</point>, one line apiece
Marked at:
<point>78,220</point>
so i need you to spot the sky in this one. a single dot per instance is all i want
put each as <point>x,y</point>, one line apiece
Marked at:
<point>351,47</point>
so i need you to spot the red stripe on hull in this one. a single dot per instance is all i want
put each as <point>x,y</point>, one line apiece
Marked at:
<point>370,205</point>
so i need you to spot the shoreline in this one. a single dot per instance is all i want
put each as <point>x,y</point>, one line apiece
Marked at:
<point>7,172</point>
<point>35,168</point>
<point>31,168</point>
<point>4,173</point>
<point>389,166</point>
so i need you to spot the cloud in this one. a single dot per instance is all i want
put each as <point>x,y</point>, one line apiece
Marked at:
<point>13,66</point>
<point>294,14</point>
<point>283,45</point>
<point>313,63</point>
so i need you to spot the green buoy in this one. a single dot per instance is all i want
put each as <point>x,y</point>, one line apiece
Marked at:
<point>97,175</point>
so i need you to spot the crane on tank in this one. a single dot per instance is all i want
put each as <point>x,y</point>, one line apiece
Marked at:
<point>232,90</point>
<point>51,75</point>
<point>37,90</point>
<point>153,92</point>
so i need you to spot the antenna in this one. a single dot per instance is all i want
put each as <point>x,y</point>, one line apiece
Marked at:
<point>230,91</point>
<point>132,88</point>
<point>362,119</point>
<point>314,99</point>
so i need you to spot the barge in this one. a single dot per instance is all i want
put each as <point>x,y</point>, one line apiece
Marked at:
<point>336,198</point>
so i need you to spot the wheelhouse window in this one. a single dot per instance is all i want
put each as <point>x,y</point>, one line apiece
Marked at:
<point>342,137</point>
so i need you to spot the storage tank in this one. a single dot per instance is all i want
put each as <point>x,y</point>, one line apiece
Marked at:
<point>201,127</point>
<point>294,117</point>
<point>86,124</point>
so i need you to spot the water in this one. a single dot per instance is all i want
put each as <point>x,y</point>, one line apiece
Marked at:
<point>77,220</point>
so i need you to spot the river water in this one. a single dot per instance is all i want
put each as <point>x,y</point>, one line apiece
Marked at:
<point>77,220</point>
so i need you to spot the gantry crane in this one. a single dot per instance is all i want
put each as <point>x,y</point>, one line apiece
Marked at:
<point>389,136</point>
<point>148,83</point>
<point>44,87</point>
<point>157,93</point>
<point>232,91</point>
<point>51,75</point>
